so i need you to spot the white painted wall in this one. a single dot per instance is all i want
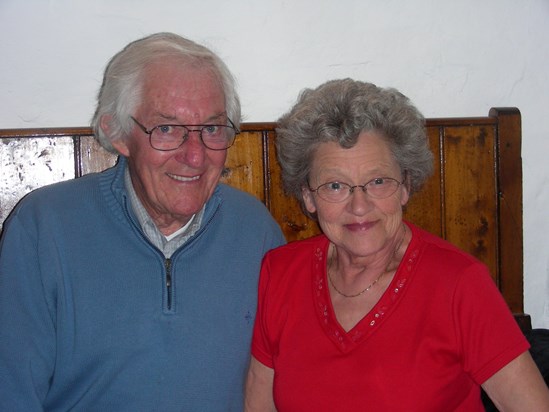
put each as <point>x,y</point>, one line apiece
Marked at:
<point>452,58</point>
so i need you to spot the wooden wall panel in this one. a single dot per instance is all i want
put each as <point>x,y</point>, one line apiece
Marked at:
<point>509,172</point>
<point>425,208</point>
<point>286,210</point>
<point>92,157</point>
<point>244,167</point>
<point>26,164</point>
<point>470,191</point>
<point>474,198</point>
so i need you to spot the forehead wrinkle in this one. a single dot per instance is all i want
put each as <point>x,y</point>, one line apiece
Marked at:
<point>173,93</point>
<point>360,171</point>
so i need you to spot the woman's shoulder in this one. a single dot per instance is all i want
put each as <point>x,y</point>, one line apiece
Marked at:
<point>287,269</point>
<point>298,254</point>
<point>436,247</point>
<point>316,245</point>
<point>441,262</point>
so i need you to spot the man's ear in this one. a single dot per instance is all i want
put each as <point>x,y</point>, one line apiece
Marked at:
<point>119,144</point>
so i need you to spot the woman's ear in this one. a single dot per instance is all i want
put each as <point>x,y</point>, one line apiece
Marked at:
<point>308,200</point>
<point>405,195</point>
<point>120,144</point>
<point>405,192</point>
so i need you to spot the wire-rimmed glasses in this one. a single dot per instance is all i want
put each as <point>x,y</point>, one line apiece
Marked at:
<point>166,137</point>
<point>377,188</point>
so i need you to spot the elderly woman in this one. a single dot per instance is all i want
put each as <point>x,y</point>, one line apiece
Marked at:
<point>375,313</point>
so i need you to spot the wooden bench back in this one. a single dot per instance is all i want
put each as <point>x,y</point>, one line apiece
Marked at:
<point>474,198</point>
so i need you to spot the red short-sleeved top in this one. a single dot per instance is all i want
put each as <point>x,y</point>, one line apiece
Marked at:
<point>438,332</point>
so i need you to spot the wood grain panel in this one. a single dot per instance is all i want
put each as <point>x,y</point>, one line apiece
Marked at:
<point>92,157</point>
<point>509,172</point>
<point>244,167</point>
<point>425,207</point>
<point>474,198</point>
<point>286,210</point>
<point>26,164</point>
<point>470,192</point>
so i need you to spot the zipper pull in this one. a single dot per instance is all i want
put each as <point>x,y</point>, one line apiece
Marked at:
<point>168,266</point>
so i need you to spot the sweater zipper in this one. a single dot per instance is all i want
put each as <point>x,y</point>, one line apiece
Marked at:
<point>168,266</point>
<point>167,261</point>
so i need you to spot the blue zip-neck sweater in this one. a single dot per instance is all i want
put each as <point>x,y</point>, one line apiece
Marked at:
<point>87,321</point>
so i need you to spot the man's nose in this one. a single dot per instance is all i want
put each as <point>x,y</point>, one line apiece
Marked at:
<point>192,151</point>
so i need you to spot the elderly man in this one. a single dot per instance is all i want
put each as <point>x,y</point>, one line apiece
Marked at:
<point>135,289</point>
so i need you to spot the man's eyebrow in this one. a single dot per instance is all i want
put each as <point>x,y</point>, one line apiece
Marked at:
<point>164,117</point>
<point>215,117</point>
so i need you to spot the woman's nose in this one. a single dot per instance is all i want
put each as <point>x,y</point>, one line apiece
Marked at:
<point>360,202</point>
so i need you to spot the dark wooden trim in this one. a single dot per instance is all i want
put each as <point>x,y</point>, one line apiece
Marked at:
<point>460,121</point>
<point>245,127</point>
<point>48,131</point>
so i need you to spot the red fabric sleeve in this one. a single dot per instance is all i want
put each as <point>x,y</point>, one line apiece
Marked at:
<point>261,347</point>
<point>490,336</point>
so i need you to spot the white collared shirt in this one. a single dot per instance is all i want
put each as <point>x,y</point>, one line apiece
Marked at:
<point>167,244</point>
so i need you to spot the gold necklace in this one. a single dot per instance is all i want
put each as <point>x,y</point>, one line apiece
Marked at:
<point>359,293</point>
<point>375,281</point>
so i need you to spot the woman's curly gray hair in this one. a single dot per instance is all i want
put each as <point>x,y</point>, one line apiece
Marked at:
<point>338,111</point>
<point>120,92</point>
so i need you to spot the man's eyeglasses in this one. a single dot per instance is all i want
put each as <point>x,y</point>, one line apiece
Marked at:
<point>378,188</point>
<point>168,137</point>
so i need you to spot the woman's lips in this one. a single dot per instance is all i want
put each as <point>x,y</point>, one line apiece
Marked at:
<point>360,226</point>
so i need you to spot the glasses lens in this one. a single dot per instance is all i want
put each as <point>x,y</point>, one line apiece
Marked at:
<point>379,188</point>
<point>170,137</point>
<point>218,137</point>
<point>334,191</point>
<point>167,137</point>
<point>382,187</point>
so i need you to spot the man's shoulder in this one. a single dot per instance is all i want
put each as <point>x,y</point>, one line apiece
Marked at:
<point>244,210</point>
<point>239,201</point>
<point>232,193</point>
<point>64,190</point>
<point>61,197</point>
